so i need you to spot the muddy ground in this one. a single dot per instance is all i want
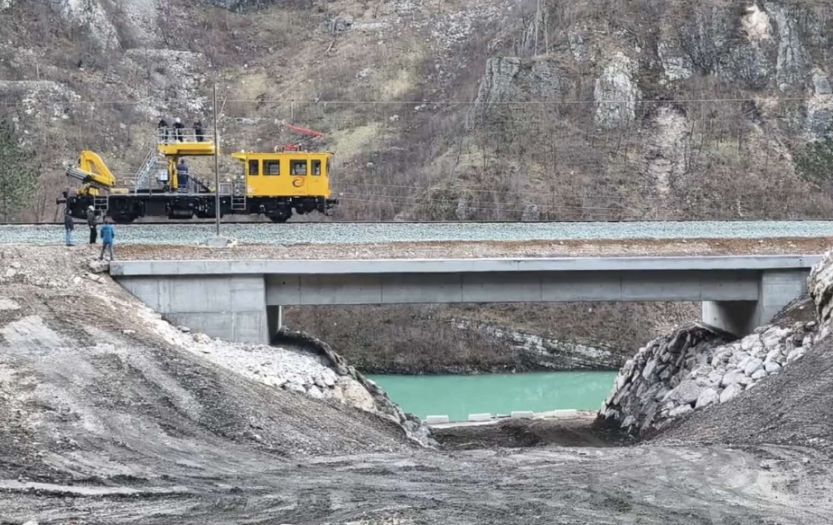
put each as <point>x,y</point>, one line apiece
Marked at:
<point>104,420</point>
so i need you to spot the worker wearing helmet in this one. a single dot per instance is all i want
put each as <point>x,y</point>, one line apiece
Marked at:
<point>179,129</point>
<point>91,222</point>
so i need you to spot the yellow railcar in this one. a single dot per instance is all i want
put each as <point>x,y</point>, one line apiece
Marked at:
<point>271,184</point>
<point>277,183</point>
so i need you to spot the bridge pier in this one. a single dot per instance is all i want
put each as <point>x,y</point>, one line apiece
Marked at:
<point>776,289</point>
<point>274,315</point>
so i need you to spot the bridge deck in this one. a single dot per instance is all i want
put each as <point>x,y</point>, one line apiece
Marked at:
<point>234,298</point>
<point>480,265</point>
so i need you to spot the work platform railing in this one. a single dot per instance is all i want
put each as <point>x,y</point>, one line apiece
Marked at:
<point>172,135</point>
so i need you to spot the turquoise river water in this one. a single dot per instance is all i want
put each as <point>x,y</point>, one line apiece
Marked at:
<point>459,396</point>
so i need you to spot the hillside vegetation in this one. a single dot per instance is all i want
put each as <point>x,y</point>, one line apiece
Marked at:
<point>464,109</point>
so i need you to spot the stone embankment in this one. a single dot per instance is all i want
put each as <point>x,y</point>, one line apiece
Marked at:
<point>698,366</point>
<point>695,367</point>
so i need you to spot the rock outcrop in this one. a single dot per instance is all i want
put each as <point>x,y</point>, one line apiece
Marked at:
<point>240,5</point>
<point>543,353</point>
<point>616,93</point>
<point>516,80</point>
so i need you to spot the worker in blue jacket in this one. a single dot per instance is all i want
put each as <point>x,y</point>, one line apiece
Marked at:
<point>108,236</point>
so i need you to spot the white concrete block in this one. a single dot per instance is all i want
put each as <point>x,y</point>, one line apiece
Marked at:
<point>480,417</point>
<point>522,414</point>
<point>436,420</point>
<point>565,413</point>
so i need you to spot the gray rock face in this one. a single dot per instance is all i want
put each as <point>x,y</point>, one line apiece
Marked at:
<point>546,353</point>
<point>240,5</point>
<point>793,61</point>
<point>616,93</point>
<point>746,47</point>
<point>676,64</point>
<point>513,79</point>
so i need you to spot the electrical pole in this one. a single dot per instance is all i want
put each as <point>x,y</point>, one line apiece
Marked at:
<point>216,165</point>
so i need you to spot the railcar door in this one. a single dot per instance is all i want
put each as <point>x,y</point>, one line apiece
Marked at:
<point>299,169</point>
<point>318,183</point>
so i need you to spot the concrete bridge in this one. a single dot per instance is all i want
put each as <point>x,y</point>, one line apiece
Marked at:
<point>240,300</point>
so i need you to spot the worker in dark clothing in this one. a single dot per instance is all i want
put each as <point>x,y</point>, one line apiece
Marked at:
<point>91,222</point>
<point>69,225</point>
<point>182,176</point>
<point>179,130</point>
<point>198,131</point>
<point>162,131</point>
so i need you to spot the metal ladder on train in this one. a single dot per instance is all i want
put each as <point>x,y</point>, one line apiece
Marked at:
<point>101,203</point>
<point>149,167</point>
<point>238,195</point>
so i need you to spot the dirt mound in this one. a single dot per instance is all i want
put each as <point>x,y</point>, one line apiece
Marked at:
<point>91,390</point>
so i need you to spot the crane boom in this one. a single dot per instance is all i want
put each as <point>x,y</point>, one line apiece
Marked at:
<point>93,172</point>
<point>304,131</point>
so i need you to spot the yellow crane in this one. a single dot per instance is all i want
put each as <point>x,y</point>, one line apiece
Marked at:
<point>93,173</point>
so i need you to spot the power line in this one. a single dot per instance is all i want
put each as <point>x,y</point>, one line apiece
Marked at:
<point>766,98</point>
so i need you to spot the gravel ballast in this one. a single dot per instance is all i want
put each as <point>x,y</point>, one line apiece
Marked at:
<point>368,233</point>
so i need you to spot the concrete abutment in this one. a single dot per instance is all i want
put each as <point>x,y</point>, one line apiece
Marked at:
<point>776,289</point>
<point>229,307</point>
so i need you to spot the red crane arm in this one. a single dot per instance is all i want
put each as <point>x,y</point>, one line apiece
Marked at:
<point>304,131</point>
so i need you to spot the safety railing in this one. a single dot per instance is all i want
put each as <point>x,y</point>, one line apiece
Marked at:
<point>171,135</point>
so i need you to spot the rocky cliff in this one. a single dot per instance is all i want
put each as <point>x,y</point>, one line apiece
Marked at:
<point>474,109</point>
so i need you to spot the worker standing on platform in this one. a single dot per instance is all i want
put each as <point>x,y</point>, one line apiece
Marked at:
<point>108,235</point>
<point>179,130</point>
<point>198,131</point>
<point>162,130</point>
<point>69,225</point>
<point>91,222</point>
<point>182,176</point>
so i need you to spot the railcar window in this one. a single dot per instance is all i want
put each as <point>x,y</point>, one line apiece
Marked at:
<point>298,167</point>
<point>254,168</point>
<point>271,167</point>
<point>316,168</point>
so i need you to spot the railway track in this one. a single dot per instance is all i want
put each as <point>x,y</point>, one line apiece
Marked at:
<point>382,223</point>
